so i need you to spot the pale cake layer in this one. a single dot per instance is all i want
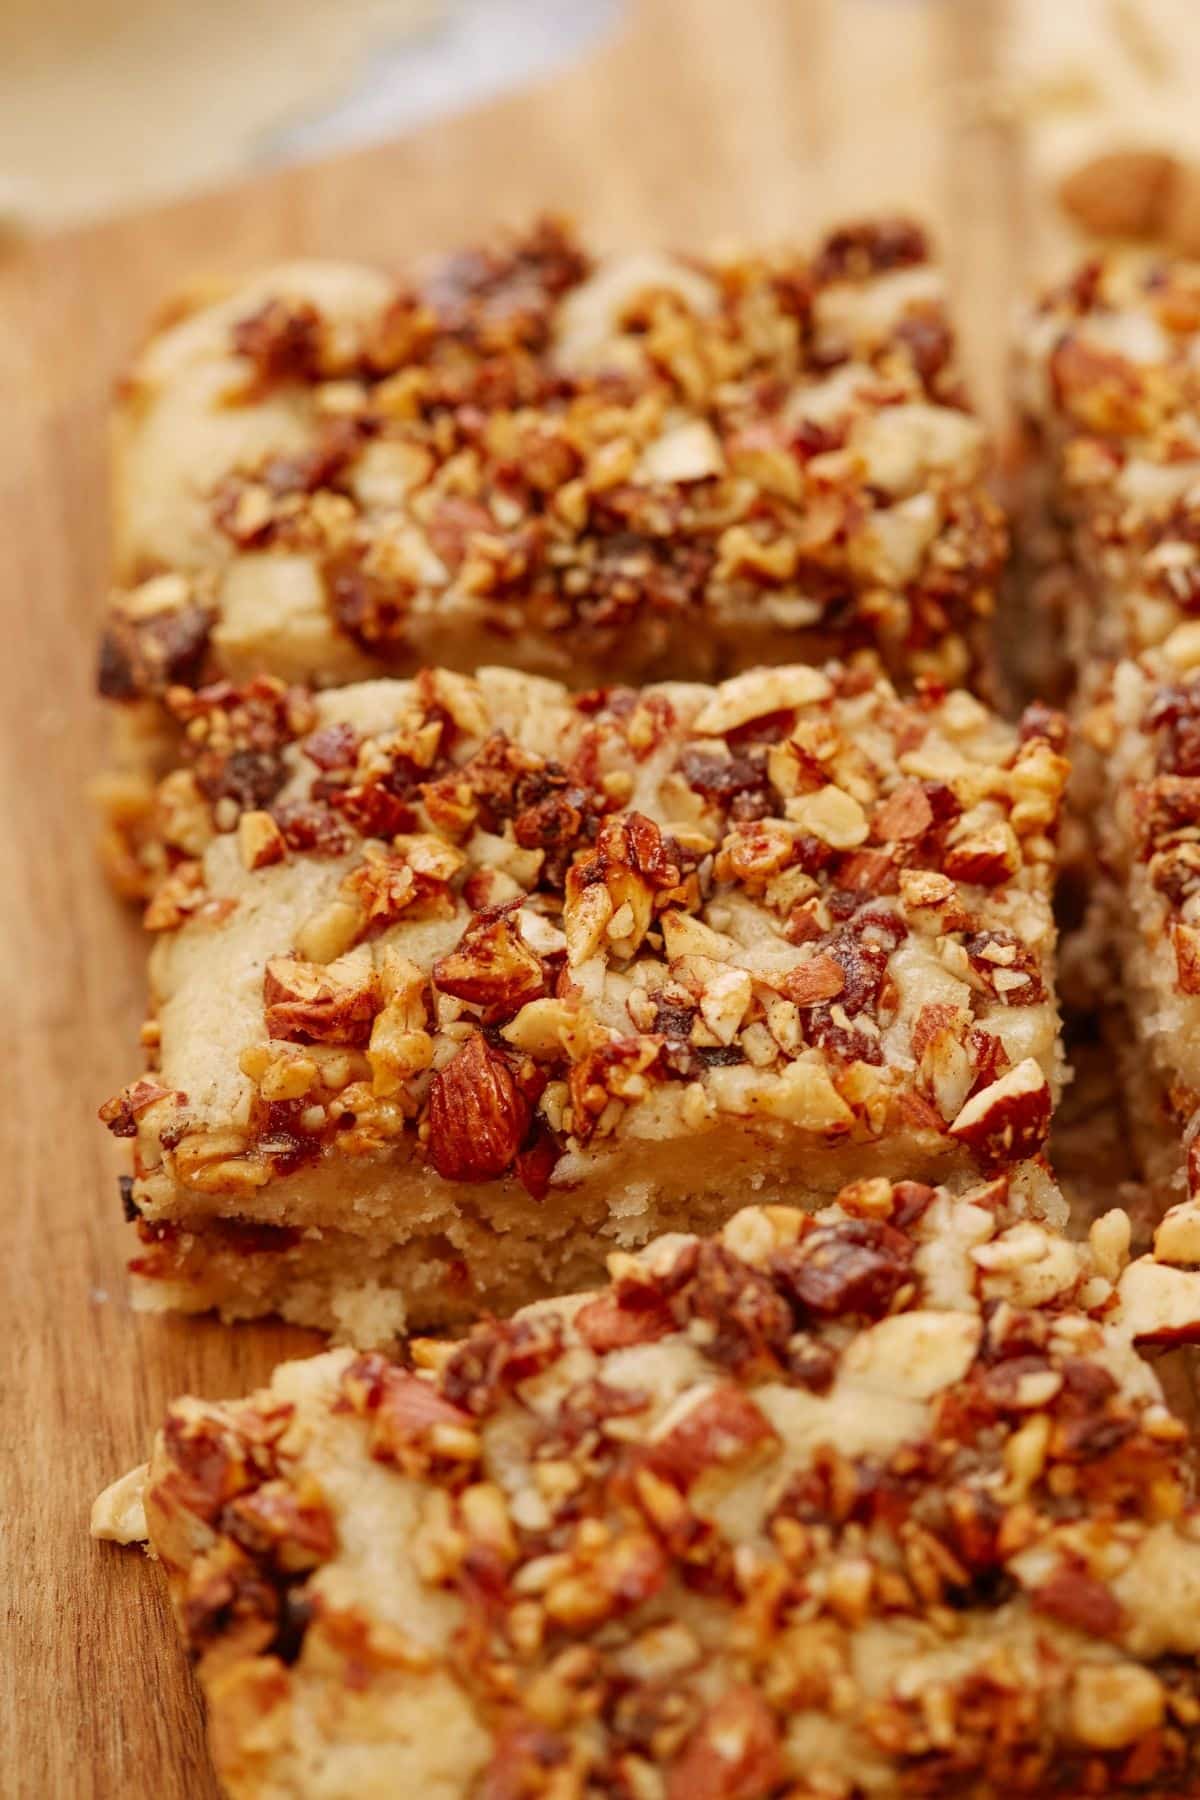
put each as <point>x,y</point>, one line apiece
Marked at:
<point>460,950</point>
<point>882,1501</point>
<point>648,466</point>
<point>451,1258</point>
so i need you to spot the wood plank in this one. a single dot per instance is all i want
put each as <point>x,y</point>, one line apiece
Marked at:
<point>699,119</point>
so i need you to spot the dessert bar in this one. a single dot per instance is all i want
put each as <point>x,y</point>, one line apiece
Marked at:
<point>877,1501</point>
<point>1140,736</point>
<point>460,983</point>
<point>624,468</point>
<point>1107,381</point>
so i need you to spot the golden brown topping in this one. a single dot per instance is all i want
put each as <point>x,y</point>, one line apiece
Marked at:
<point>715,1532</point>
<point>610,457</point>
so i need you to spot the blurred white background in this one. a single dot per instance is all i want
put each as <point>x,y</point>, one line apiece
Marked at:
<point>105,104</point>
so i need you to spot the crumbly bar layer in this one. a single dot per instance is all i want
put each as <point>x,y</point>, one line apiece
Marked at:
<point>878,1501</point>
<point>1108,379</point>
<point>1107,383</point>
<point>1140,762</point>
<point>485,960</point>
<point>647,466</point>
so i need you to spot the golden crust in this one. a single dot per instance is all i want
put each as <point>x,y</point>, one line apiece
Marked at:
<point>435,955</point>
<point>651,466</point>
<point>877,1501</point>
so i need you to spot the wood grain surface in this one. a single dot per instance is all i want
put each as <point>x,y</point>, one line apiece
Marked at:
<point>699,119</point>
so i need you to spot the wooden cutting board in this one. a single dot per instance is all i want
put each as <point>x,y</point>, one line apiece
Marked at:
<point>698,119</point>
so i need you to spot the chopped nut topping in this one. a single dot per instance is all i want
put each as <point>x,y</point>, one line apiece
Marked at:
<point>651,460</point>
<point>551,947</point>
<point>765,1512</point>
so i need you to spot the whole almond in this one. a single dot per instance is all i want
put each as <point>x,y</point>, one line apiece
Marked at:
<point>478,1116</point>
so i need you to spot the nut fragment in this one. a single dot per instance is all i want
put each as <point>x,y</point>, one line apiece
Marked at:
<point>492,965</point>
<point>333,1004</point>
<point>734,1754</point>
<point>985,857</point>
<point>1160,1304</point>
<point>1177,1239</point>
<point>1121,193</point>
<point>1008,1120</point>
<point>832,815</point>
<point>1115,1704</point>
<point>260,840</point>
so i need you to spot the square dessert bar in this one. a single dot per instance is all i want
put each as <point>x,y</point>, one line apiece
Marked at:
<point>631,468</point>
<point>1108,387</point>
<point>1141,762</point>
<point>878,1501</point>
<point>462,982</point>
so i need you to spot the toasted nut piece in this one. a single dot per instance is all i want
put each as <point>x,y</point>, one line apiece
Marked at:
<point>541,1028</point>
<point>758,692</point>
<point>1177,1239</point>
<point>478,1116</point>
<point>214,1162</point>
<point>334,1004</point>
<point>330,932</point>
<point>734,1752</point>
<point>818,978</point>
<point>260,840</point>
<point>396,1050</point>
<point>1115,1704</point>
<point>492,965</point>
<point>687,452</point>
<point>985,858</point>
<point>1160,1304</point>
<point>832,815</point>
<point>1185,941</point>
<point>1109,1239</point>
<point>1008,1120</point>
<point>119,1513</point>
<point>932,901</point>
<point>462,698</point>
<point>804,1093</point>
<point>906,813</point>
<point>1121,193</point>
<point>1182,648</point>
<point>1028,1265</point>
